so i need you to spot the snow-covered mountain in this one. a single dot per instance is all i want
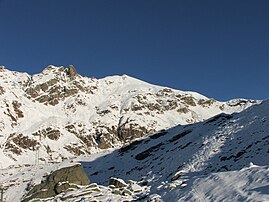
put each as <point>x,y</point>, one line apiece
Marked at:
<point>58,114</point>
<point>224,158</point>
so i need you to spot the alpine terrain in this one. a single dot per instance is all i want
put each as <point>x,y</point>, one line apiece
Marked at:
<point>65,137</point>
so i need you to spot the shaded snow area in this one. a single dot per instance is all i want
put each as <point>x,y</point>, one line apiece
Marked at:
<point>224,158</point>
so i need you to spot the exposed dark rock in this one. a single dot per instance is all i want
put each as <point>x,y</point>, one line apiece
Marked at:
<point>16,106</point>
<point>130,147</point>
<point>50,82</point>
<point>71,128</point>
<point>176,176</point>
<point>186,145</point>
<point>52,92</point>
<point>54,134</point>
<point>31,93</point>
<point>189,101</point>
<point>180,135</point>
<point>223,158</point>
<point>148,152</point>
<point>12,148</point>
<point>8,113</point>
<point>159,134</point>
<point>127,131</point>
<point>238,102</point>
<point>154,106</point>
<point>88,140</point>
<point>105,140</point>
<point>183,110</point>
<point>164,92</point>
<point>136,107</point>
<point>95,173</point>
<point>44,87</point>
<point>221,107</point>
<point>2,91</point>
<point>25,142</point>
<point>103,112</point>
<point>171,105</point>
<point>159,106</point>
<point>57,182</point>
<point>206,103</point>
<point>75,149</point>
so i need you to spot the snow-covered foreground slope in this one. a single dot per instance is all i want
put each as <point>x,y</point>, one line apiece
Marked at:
<point>208,161</point>
<point>59,114</point>
<point>248,184</point>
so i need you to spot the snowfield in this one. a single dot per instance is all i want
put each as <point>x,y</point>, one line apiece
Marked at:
<point>224,158</point>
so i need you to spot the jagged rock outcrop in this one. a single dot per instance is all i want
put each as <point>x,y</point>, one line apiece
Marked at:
<point>71,71</point>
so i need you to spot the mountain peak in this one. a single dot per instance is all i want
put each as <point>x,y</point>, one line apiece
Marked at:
<point>70,70</point>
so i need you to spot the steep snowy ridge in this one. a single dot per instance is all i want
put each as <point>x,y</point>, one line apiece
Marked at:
<point>222,158</point>
<point>60,114</point>
<point>222,143</point>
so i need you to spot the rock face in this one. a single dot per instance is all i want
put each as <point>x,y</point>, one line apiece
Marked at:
<point>63,114</point>
<point>59,181</point>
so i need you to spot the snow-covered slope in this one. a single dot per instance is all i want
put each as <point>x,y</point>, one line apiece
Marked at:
<point>59,114</point>
<point>248,184</point>
<point>224,158</point>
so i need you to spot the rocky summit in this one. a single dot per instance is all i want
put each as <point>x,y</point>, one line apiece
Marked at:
<point>59,114</point>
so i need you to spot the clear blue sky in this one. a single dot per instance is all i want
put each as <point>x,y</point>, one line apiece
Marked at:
<point>219,48</point>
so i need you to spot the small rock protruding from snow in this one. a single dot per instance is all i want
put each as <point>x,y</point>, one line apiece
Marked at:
<point>155,198</point>
<point>118,183</point>
<point>177,176</point>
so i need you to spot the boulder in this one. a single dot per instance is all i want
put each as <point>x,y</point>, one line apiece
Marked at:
<point>176,176</point>
<point>58,181</point>
<point>118,183</point>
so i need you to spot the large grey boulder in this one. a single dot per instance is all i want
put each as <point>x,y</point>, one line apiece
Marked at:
<point>59,181</point>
